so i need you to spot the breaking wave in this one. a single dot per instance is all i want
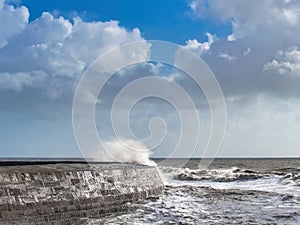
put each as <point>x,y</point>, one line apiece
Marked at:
<point>220,175</point>
<point>291,179</point>
<point>230,175</point>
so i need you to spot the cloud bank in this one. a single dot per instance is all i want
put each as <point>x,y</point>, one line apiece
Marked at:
<point>41,62</point>
<point>257,66</point>
<point>57,48</point>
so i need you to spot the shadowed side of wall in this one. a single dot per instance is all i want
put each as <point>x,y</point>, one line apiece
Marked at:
<point>62,193</point>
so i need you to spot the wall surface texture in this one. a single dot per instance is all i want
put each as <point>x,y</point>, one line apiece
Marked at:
<point>64,193</point>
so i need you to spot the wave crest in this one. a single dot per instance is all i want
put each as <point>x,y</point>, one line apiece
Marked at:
<point>218,175</point>
<point>291,179</point>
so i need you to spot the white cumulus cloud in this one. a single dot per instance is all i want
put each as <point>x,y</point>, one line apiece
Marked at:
<point>247,17</point>
<point>286,62</point>
<point>57,47</point>
<point>199,47</point>
<point>13,21</point>
<point>226,56</point>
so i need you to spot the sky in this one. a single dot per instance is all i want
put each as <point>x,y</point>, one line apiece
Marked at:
<point>252,47</point>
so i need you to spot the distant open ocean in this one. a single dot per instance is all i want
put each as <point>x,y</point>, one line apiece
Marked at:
<point>230,191</point>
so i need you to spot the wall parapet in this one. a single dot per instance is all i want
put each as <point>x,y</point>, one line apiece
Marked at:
<point>63,193</point>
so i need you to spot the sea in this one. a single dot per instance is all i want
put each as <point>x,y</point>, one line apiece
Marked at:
<point>229,191</point>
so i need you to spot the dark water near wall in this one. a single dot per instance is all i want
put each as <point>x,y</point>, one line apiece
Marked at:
<point>230,191</point>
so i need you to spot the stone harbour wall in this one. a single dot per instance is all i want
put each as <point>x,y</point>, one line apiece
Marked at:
<point>66,193</point>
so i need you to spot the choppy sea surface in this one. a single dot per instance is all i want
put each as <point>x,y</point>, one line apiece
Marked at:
<point>230,191</point>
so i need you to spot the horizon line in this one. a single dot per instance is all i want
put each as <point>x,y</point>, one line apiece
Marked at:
<point>151,158</point>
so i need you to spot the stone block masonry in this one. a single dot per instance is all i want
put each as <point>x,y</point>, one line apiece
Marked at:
<point>65,193</point>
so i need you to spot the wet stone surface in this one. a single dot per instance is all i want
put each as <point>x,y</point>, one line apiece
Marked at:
<point>62,193</point>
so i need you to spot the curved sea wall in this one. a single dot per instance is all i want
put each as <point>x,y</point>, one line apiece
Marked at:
<point>64,193</point>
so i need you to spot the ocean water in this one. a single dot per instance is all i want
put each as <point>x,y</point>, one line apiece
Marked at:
<point>230,191</point>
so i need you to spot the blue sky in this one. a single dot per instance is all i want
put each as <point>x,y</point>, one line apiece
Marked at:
<point>45,48</point>
<point>158,20</point>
